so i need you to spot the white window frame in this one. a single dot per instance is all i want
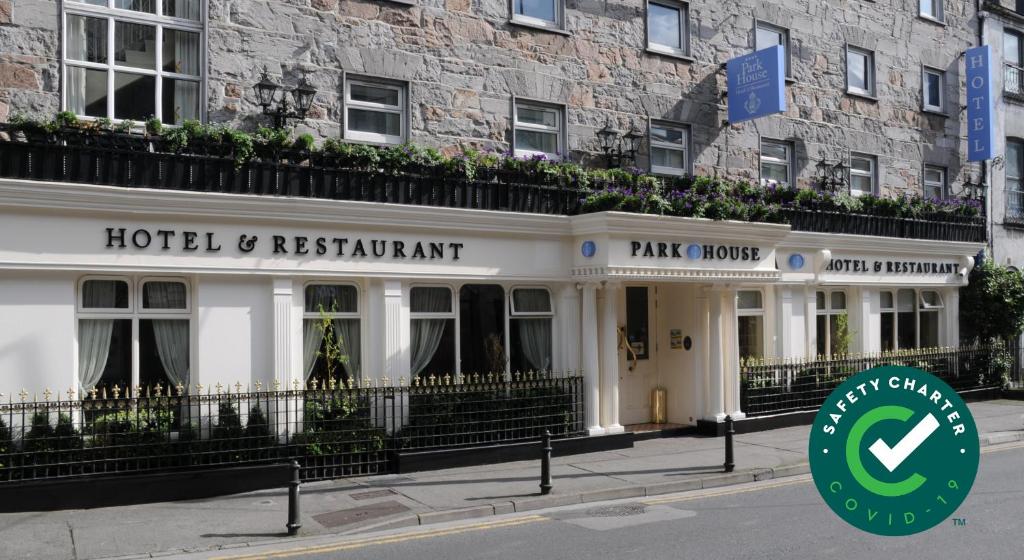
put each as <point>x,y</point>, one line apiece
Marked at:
<point>919,308</point>
<point>925,72</point>
<point>941,185</point>
<point>788,162</point>
<point>558,24</point>
<point>684,148</point>
<point>869,71</point>
<point>332,314</point>
<point>872,173</point>
<point>401,110</point>
<point>937,6</point>
<point>784,35</point>
<point>1016,214</point>
<point>529,314</point>
<point>684,28</point>
<point>558,129</point>
<point>157,20</point>
<point>753,312</point>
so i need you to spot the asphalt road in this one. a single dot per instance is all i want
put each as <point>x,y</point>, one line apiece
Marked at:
<point>780,519</point>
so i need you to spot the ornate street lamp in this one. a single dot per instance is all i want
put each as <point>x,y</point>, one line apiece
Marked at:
<point>266,95</point>
<point>619,150</point>
<point>830,177</point>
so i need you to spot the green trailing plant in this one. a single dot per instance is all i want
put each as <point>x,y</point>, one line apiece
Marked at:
<point>843,337</point>
<point>125,127</point>
<point>66,119</point>
<point>303,142</point>
<point>332,347</point>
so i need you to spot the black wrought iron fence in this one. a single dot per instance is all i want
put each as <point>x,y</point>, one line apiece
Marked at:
<point>774,386</point>
<point>333,430</point>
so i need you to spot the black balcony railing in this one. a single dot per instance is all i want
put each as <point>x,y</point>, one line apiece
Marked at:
<point>333,431</point>
<point>938,227</point>
<point>775,386</point>
<point>1013,81</point>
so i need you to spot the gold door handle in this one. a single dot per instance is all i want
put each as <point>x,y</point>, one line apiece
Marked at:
<point>624,342</point>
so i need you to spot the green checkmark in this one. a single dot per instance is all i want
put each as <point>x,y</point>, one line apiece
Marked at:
<point>853,451</point>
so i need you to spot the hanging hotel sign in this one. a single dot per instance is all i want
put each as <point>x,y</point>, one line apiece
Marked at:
<point>756,83</point>
<point>981,136</point>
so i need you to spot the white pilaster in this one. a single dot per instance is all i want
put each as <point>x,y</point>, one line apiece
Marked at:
<point>715,409</point>
<point>590,360</point>
<point>700,344</point>
<point>568,341</point>
<point>609,340</point>
<point>951,299</point>
<point>284,372</point>
<point>375,333</point>
<point>396,351</point>
<point>732,357</point>
<point>810,322</point>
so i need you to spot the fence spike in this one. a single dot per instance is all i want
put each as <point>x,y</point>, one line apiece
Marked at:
<point>276,384</point>
<point>348,383</point>
<point>447,379</point>
<point>116,391</point>
<point>238,386</point>
<point>259,385</point>
<point>199,388</point>
<point>219,387</point>
<point>385,381</point>
<point>366,383</point>
<point>47,393</point>
<point>401,381</point>
<point>432,379</point>
<point>71,394</point>
<point>314,383</point>
<point>296,384</point>
<point>23,394</point>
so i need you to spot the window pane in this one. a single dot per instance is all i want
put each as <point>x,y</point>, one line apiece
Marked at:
<point>540,9</point>
<point>637,321</point>
<point>1014,159</point>
<point>886,300</point>
<point>377,122</point>
<point>181,52</point>
<point>929,329</point>
<point>838,301</point>
<point>819,300</point>
<point>430,300</point>
<point>933,175</point>
<point>663,26</point>
<point>774,150</point>
<point>888,331</point>
<point>859,163</point>
<point>531,344</point>
<point>751,336</point>
<point>433,347</point>
<point>821,332</point>
<point>748,299</point>
<point>87,91</point>
<point>537,115</point>
<point>180,100</point>
<point>930,299</point>
<point>933,89</point>
<point>838,337</point>
<point>856,67</point>
<point>134,96</point>
<point>136,5</point>
<point>860,184</point>
<point>331,299</point>
<point>905,300</point>
<point>775,172</point>
<point>535,141</point>
<point>164,295</point>
<point>163,352</point>
<point>768,38</point>
<point>907,335</point>
<point>1011,48</point>
<point>928,7</point>
<point>531,300</point>
<point>663,157</point>
<point>371,94</point>
<point>86,38</point>
<point>482,329</point>
<point>104,353</point>
<point>668,135</point>
<point>105,294</point>
<point>184,9</point>
<point>135,45</point>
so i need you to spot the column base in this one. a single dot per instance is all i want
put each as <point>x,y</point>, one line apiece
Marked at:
<point>717,417</point>
<point>737,415</point>
<point>614,429</point>
<point>595,431</point>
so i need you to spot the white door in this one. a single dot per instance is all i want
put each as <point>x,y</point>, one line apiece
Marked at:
<point>638,352</point>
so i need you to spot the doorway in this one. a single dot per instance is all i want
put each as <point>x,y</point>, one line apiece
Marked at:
<point>638,352</point>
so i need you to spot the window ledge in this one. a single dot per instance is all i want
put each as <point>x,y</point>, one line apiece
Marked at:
<point>866,96</point>
<point>790,80</point>
<point>1013,222</point>
<point>670,54</point>
<point>537,27</point>
<point>931,20</point>
<point>935,113</point>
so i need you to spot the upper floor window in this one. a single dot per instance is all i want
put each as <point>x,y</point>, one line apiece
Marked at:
<point>934,182</point>
<point>863,174</point>
<point>541,13</point>
<point>669,154</point>
<point>375,111</point>
<point>1014,179</point>
<point>933,84</point>
<point>776,162</point>
<point>768,35</point>
<point>668,27</point>
<point>134,59</point>
<point>931,9</point>
<point>538,129</point>
<point>860,71</point>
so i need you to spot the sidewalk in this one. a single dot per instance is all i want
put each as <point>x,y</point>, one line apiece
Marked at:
<point>357,505</point>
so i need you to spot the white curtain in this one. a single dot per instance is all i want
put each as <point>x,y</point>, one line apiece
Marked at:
<point>312,337</point>
<point>172,346</point>
<point>93,350</point>
<point>186,58</point>
<point>77,45</point>
<point>426,333</point>
<point>347,331</point>
<point>535,342</point>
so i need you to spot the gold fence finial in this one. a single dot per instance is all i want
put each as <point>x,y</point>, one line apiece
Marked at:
<point>401,381</point>
<point>447,379</point>
<point>238,386</point>
<point>47,393</point>
<point>199,388</point>
<point>432,379</point>
<point>296,384</point>
<point>71,394</point>
<point>276,384</point>
<point>116,391</point>
<point>219,387</point>
<point>138,391</point>
<point>259,385</point>
<point>92,393</point>
<point>23,394</point>
<point>314,383</point>
<point>385,382</point>
<point>179,388</point>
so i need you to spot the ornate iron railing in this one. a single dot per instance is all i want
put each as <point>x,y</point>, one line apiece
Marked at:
<point>774,386</point>
<point>1013,81</point>
<point>938,227</point>
<point>333,430</point>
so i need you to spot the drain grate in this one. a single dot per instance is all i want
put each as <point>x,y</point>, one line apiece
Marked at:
<point>624,510</point>
<point>372,494</point>
<point>356,515</point>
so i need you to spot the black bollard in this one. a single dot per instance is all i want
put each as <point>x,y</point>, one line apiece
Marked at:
<point>729,431</point>
<point>293,502</point>
<point>545,464</point>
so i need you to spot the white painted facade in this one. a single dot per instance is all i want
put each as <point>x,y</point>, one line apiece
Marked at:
<point>246,307</point>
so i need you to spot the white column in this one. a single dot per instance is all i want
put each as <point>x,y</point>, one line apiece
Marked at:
<point>867,328</point>
<point>811,316</point>
<point>374,332</point>
<point>715,410</point>
<point>732,357</point>
<point>284,373</point>
<point>609,341</point>
<point>700,345</point>
<point>567,343</point>
<point>951,299</point>
<point>590,360</point>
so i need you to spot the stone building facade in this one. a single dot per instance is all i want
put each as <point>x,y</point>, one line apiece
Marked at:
<point>463,63</point>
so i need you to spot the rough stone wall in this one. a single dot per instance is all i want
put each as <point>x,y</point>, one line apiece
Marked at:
<point>464,61</point>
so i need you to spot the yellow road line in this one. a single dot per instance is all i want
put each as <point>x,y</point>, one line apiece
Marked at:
<point>727,492</point>
<point>389,539</point>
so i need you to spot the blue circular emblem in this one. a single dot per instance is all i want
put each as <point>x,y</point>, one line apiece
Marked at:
<point>693,251</point>
<point>796,261</point>
<point>589,249</point>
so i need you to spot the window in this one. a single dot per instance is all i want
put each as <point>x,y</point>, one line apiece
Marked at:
<point>530,325</point>
<point>768,35</point>
<point>933,83</point>
<point>833,330</point>
<point>1013,57</point>
<point>538,130</point>
<point>863,174</point>
<point>934,182</point>
<point>860,71</point>
<point>669,153</point>
<point>1014,179</point>
<point>931,9</point>
<point>910,319</point>
<point>375,111</point>
<point>112,318</point>
<point>637,325</point>
<point>750,323</point>
<point>482,344</point>
<point>331,341</point>
<point>775,162</point>
<point>668,28</point>
<point>541,13</point>
<point>432,331</point>
<point>134,59</point>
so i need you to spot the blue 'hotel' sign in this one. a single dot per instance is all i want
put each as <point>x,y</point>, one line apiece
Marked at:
<point>757,84</point>
<point>981,135</point>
